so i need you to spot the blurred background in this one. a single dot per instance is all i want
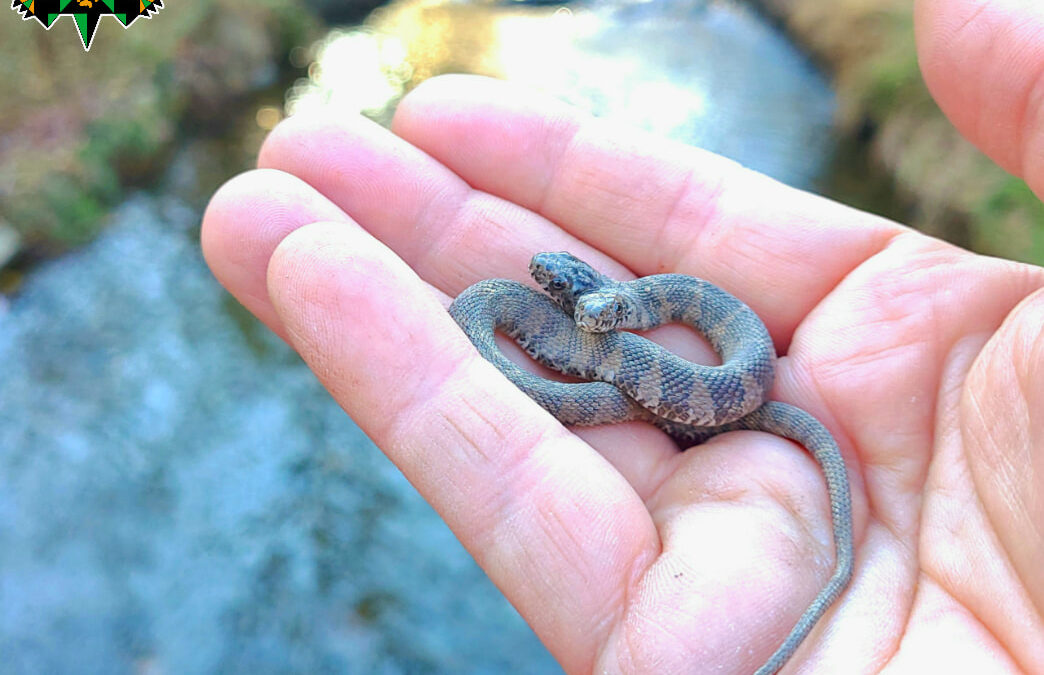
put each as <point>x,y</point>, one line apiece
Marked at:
<point>177,493</point>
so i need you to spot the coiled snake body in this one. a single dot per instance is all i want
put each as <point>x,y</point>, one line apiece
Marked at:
<point>574,330</point>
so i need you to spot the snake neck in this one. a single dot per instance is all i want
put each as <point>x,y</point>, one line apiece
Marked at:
<point>730,326</point>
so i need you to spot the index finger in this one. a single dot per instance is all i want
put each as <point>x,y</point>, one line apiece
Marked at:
<point>655,205</point>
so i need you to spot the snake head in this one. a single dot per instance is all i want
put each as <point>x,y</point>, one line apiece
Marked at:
<point>565,277</point>
<point>601,311</point>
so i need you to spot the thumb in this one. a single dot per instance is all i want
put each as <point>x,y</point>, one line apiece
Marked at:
<point>1003,435</point>
<point>982,62</point>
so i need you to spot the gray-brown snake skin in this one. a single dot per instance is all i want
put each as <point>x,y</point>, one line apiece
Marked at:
<point>573,331</point>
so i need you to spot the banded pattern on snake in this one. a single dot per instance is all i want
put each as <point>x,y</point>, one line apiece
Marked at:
<point>575,329</point>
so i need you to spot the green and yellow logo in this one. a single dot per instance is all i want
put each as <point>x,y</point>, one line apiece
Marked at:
<point>86,13</point>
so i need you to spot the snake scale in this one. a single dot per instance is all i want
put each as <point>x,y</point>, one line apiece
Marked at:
<point>576,329</point>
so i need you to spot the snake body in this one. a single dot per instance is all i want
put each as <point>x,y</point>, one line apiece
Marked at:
<point>576,329</point>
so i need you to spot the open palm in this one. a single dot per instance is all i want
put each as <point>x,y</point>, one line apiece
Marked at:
<point>925,362</point>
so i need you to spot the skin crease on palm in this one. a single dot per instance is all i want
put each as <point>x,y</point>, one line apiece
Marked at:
<point>925,361</point>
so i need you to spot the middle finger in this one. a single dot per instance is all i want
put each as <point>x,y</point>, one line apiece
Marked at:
<point>449,232</point>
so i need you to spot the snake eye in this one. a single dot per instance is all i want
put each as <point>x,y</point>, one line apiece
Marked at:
<point>558,284</point>
<point>618,308</point>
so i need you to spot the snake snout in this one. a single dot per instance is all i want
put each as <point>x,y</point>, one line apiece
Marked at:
<point>598,312</point>
<point>545,270</point>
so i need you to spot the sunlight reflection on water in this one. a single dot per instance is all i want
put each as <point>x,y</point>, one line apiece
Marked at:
<point>711,74</point>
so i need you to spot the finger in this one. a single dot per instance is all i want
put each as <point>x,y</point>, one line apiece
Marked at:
<point>451,234</point>
<point>984,64</point>
<point>653,204</point>
<point>1004,436</point>
<point>251,214</point>
<point>555,527</point>
<point>244,222</point>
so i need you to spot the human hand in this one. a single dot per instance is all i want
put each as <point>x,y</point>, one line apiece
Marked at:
<point>624,555</point>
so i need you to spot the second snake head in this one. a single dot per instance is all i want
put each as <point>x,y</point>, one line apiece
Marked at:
<point>565,277</point>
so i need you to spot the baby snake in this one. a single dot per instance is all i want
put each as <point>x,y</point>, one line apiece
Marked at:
<point>573,329</point>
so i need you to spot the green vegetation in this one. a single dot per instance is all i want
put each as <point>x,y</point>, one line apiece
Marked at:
<point>82,128</point>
